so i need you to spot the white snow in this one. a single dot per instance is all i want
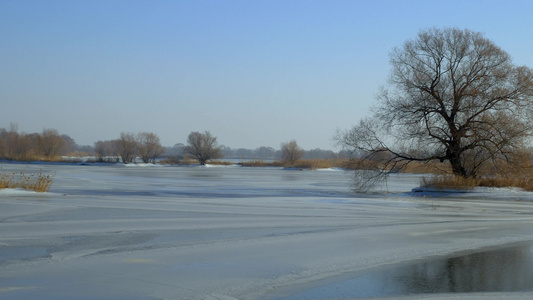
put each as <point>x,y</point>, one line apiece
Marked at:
<point>16,192</point>
<point>141,165</point>
<point>232,233</point>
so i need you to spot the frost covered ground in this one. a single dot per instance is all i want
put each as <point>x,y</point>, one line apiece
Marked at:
<point>115,232</point>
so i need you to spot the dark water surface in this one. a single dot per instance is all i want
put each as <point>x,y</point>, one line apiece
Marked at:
<point>497,270</point>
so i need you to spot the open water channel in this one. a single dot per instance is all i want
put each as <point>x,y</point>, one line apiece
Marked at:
<point>496,270</point>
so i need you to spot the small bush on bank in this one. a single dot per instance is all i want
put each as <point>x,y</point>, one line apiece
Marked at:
<point>34,182</point>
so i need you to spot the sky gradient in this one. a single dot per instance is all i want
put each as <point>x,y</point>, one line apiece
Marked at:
<point>253,73</point>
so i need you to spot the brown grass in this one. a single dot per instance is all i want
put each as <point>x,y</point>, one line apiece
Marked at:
<point>34,182</point>
<point>524,182</point>
<point>302,163</point>
<point>171,160</point>
<point>449,182</point>
<point>457,182</point>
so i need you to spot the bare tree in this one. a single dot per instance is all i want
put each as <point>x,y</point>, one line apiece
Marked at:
<point>50,143</point>
<point>149,146</point>
<point>70,144</point>
<point>126,147</point>
<point>453,96</point>
<point>203,146</point>
<point>103,149</point>
<point>291,152</point>
<point>265,152</point>
<point>19,146</point>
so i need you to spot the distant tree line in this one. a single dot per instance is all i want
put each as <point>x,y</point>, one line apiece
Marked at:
<point>269,153</point>
<point>50,145</point>
<point>47,145</point>
<point>129,147</point>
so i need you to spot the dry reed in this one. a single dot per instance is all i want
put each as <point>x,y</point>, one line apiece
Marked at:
<point>34,182</point>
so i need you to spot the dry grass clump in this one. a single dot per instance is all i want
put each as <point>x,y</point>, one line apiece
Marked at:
<point>171,160</point>
<point>34,182</point>
<point>449,182</point>
<point>524,182</point>
<point>460,183</point>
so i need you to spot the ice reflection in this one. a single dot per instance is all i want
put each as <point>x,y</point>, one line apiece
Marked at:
<point>502,270</point>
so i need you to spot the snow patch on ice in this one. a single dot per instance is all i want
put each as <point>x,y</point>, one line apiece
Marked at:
<point>331,169</point>
<point>142,165</point>
<point>221,166</point>
<point>475,190</point>
<point>16,192</point>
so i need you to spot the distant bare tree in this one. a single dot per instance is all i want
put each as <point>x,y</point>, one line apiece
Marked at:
<point>149,146</point>
<point>318,153</point>
<point>455,97</point>
<point>291,152</point>
<point>18,145</point>
<point>103,149</point>
<point>50,143</point>
<point>126,147</point>
<point>70,144</point>
<point>203,146</point>
<point>265,152</point>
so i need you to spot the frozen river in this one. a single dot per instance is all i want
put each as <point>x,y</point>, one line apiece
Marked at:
<point>117,232</point>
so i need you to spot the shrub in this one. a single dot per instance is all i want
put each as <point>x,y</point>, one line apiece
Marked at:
<point>34,182</point>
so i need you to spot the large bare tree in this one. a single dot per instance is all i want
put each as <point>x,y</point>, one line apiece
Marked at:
<point>203,146</point>
<point>149,146</point>
<point>453,96</point>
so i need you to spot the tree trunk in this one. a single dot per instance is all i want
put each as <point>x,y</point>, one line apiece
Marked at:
<point>457,167</point>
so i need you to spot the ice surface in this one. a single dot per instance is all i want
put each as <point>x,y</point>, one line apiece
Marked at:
<point>116,232</point>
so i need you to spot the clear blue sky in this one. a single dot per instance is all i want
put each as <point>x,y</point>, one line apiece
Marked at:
<point>254,73</point>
